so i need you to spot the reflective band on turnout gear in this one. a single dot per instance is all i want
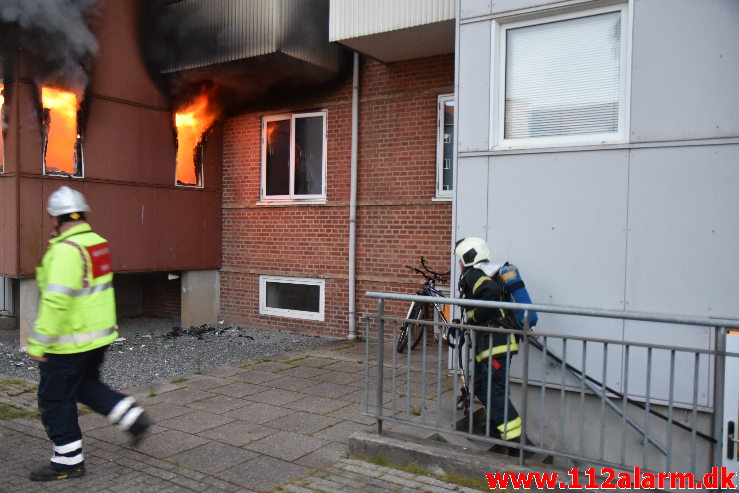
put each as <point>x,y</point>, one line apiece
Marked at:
<point>58,288</point>
<point>129,418</point>
<point>68,461</point>
<point>72,338</point>
<point>70,447</point>
<point>480,280</point>
<point>511,429</point>
<point>496,350</point>
<point>120,409</point>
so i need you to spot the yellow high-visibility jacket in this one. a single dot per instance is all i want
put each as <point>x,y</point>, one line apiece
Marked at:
<point>77,306</point>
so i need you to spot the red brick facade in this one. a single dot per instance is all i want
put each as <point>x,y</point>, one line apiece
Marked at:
<point>397,219</point>
<point>161,295</point>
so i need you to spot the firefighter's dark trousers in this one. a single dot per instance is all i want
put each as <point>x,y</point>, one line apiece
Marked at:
<point>507,425</point>
<point>66,379</point>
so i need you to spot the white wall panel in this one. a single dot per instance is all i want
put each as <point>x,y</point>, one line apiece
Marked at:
<point>684,231</point>
<point>474,87</point>
<point>472,197</point>
<point>562,218</point>
<point>685,70</point>
<point>473,8</point>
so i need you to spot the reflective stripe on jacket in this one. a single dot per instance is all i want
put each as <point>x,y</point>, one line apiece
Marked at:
<point>77,302</point>
<point>511,346</point>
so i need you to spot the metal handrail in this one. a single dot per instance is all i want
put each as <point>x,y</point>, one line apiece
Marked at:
<point>567,310</point>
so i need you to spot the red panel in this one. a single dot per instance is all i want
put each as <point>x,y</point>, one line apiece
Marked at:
<point>35,231</point>
<point>130,143</point>
<point>8,226</point>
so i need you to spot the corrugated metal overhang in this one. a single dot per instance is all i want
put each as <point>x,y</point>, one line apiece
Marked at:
<point>238,30</point>
<point>392,30</point>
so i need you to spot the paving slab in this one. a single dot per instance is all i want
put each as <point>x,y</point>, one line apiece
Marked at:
<point>213,457</point>
<point>238,433</point>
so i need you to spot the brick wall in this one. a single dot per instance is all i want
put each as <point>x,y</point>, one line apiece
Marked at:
<point>161,296</point>
<point>397,219</point>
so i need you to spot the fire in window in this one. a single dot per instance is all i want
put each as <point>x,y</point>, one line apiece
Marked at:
<point>192,123</point>
<point>62,142</point>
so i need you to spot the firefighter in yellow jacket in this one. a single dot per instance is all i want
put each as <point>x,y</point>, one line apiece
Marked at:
<point>75,324</point>
<point>494,351</point>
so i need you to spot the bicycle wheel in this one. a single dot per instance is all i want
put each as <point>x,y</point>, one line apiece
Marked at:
<point>406,327</point>
<point>417,329</point>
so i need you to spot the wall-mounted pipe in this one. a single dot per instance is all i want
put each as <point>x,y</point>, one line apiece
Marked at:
<point>353,204</point>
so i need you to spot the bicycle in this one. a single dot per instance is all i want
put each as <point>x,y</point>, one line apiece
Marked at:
<point>412,330</point>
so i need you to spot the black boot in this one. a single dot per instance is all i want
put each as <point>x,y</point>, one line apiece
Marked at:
<point>50,473</point>
<point>139,429</point>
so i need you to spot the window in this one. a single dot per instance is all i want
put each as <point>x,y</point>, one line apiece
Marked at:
<point>2,127</point>
<point>61,138</point>
<point>294,157</point>
<point>291,297</point>
<point>563,80</point>
<point>445,147</point>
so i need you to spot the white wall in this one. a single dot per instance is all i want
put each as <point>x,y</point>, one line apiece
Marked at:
<point>650,225</point>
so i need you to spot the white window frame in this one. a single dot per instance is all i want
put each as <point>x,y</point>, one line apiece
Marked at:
<point>283,312</point>
<point>440,192</point>
<point>497,137</point>
<point>292,197</point>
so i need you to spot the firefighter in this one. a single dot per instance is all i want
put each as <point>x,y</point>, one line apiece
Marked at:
<point>494,351</point>
<point>75,324</point>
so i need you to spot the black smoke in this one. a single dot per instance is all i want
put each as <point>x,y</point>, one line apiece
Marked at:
<point>55,36</point>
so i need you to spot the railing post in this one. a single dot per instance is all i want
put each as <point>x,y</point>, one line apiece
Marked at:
<point>525,388</point>
<point>718,394</point>
<point>380,359</point>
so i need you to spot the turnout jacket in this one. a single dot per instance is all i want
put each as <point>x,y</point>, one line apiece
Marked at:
<point>77,304</point>
<point>480,282</point>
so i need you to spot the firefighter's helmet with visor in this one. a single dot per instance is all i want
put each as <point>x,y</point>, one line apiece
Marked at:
<point>66,201</point>
<point>472,250</point>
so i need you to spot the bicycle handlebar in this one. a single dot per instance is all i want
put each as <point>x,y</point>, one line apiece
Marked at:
<point>429,274</point>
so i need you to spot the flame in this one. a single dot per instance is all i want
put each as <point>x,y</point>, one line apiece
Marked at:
<point>60,120</point>
<point>191,122</point>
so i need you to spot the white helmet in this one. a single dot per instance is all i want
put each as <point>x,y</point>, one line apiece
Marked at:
<point>65,201</point>
<point>472,250</point>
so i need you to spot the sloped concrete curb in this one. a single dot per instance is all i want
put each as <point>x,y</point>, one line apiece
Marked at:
<point>436,457</point>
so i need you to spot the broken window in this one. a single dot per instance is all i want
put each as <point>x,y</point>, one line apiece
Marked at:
<point>61,139</point>
<point>294,157</point>
<point>291,297</point>
<point>445,147</point>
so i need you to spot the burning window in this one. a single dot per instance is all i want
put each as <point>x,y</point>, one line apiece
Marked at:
<point>294,157</point>
<point>62,143</point>
<point>192,123</point>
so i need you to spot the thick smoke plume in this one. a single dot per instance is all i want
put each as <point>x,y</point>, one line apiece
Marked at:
<point>54,34</point>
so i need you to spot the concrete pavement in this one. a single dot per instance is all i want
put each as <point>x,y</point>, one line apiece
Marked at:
<point>282,423</point>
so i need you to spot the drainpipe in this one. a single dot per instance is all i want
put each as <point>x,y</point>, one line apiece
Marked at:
<point>352,336</point>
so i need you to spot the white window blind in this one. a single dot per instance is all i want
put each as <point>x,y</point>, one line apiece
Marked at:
<point>563,78</point>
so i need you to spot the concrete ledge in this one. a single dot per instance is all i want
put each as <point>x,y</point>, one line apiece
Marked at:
<point>437,457</point>
<point>8,323</point>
